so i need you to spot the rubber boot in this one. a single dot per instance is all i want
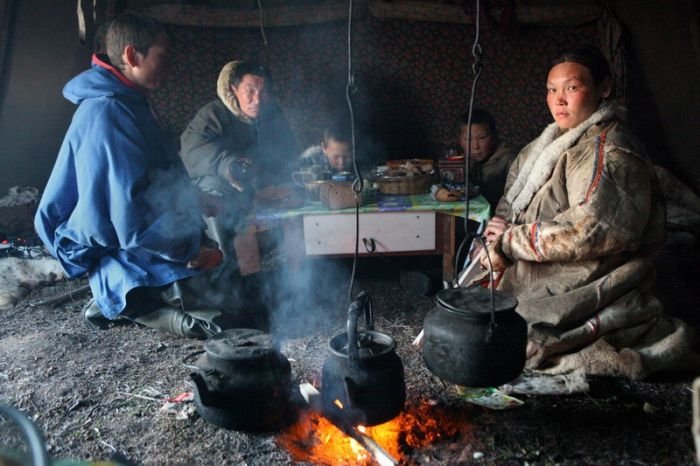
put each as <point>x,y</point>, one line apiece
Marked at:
<point>238,308</point>
<point>181,323</point>
<point>92,314</point>
<point>93,317</point>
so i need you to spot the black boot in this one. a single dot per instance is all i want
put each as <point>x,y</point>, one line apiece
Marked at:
<point>92,314</point>
<point>191,324</point>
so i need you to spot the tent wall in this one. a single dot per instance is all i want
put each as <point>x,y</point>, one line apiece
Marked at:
<point>413,80</point>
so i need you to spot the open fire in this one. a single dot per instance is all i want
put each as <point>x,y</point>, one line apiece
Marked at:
<point>314,439</point>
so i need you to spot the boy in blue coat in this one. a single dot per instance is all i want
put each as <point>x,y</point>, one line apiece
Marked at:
<point>119,205</point>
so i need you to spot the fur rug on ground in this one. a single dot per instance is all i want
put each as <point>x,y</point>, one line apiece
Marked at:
<point>534,383</point>
<point>18,276</point>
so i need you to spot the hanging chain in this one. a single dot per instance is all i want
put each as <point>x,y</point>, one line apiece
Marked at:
<point>358,183</point>
<point>262,26</point>
<point>476,70</point>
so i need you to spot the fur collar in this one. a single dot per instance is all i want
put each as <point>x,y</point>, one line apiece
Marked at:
<point>550,145</point>
<point>223,90</point>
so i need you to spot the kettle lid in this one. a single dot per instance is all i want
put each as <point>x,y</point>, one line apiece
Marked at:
<point>475,300</point>
<point>370,344</point>
<point>239,343</point>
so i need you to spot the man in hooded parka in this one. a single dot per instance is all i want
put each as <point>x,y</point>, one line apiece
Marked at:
<point>237,144</point>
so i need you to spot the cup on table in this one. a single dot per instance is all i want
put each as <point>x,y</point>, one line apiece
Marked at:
<point>300,178</point>
<point>313,190</point>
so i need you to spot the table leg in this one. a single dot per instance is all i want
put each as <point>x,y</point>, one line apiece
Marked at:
<point>446,237</point>
<point>247,250</point>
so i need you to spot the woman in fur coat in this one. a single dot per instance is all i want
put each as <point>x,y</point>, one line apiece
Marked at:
<point>574,235</point>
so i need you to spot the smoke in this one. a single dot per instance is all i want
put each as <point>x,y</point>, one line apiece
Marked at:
<point>173,203</point>
<point>306,295</point>
<point>289,297</point>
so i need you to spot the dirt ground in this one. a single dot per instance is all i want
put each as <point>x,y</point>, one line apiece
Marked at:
<point>100,394</point>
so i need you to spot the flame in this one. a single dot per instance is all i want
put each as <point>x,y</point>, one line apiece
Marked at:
<point>338,403</point>
<point>315,439</point>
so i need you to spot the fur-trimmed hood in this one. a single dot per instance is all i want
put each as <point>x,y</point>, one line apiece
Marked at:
<point>223,90</point>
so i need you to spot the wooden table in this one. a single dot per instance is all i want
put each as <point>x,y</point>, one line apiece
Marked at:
<point>394,225</point>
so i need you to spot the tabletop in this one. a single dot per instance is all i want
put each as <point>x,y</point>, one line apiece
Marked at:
<point>479,208</point>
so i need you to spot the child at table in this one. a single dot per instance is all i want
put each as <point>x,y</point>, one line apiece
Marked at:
<point>490,159</point>
<point>333,155</point>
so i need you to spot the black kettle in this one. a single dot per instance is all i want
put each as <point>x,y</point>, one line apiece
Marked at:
<point>363,378</point>
<point>474,337</point>
<point>242,382</point>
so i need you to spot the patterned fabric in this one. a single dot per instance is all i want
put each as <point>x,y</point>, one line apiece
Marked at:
<point>413,78</point>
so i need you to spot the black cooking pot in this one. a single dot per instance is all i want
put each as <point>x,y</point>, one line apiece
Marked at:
<point>474,337</point>
<point>363,381</point>
<point>242,382</point>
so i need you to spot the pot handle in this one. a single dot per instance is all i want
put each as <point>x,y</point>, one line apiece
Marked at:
<point>188,358</point>
<point>201,388</point>
<point>361,303</point>
<point>492,324</point>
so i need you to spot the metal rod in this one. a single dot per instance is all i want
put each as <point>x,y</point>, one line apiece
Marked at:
<point>313,398</point>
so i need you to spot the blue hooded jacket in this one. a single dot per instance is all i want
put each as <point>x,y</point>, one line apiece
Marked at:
<point>118,205</point>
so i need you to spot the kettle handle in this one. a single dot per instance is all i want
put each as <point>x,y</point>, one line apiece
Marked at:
<point>362,302</point>
<point>200,386</point>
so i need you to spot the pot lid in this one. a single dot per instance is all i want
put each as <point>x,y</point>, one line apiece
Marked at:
<point>239,343</point>
<point>475,300</point>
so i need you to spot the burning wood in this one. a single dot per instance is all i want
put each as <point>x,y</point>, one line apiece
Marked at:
<point>313,398</point>
<point>418,341</point>
<point>316,439</point>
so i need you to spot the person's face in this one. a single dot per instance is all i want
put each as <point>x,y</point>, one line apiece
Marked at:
<point>149,69</point>
<point>339,154</point>
<point>572,96</point>
<point>483,141</point>
<point>251,93</point>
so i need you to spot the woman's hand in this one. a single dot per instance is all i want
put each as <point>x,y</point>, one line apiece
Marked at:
<point>495,228</point>
<point>207,259</point>
<point>496,261</point>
